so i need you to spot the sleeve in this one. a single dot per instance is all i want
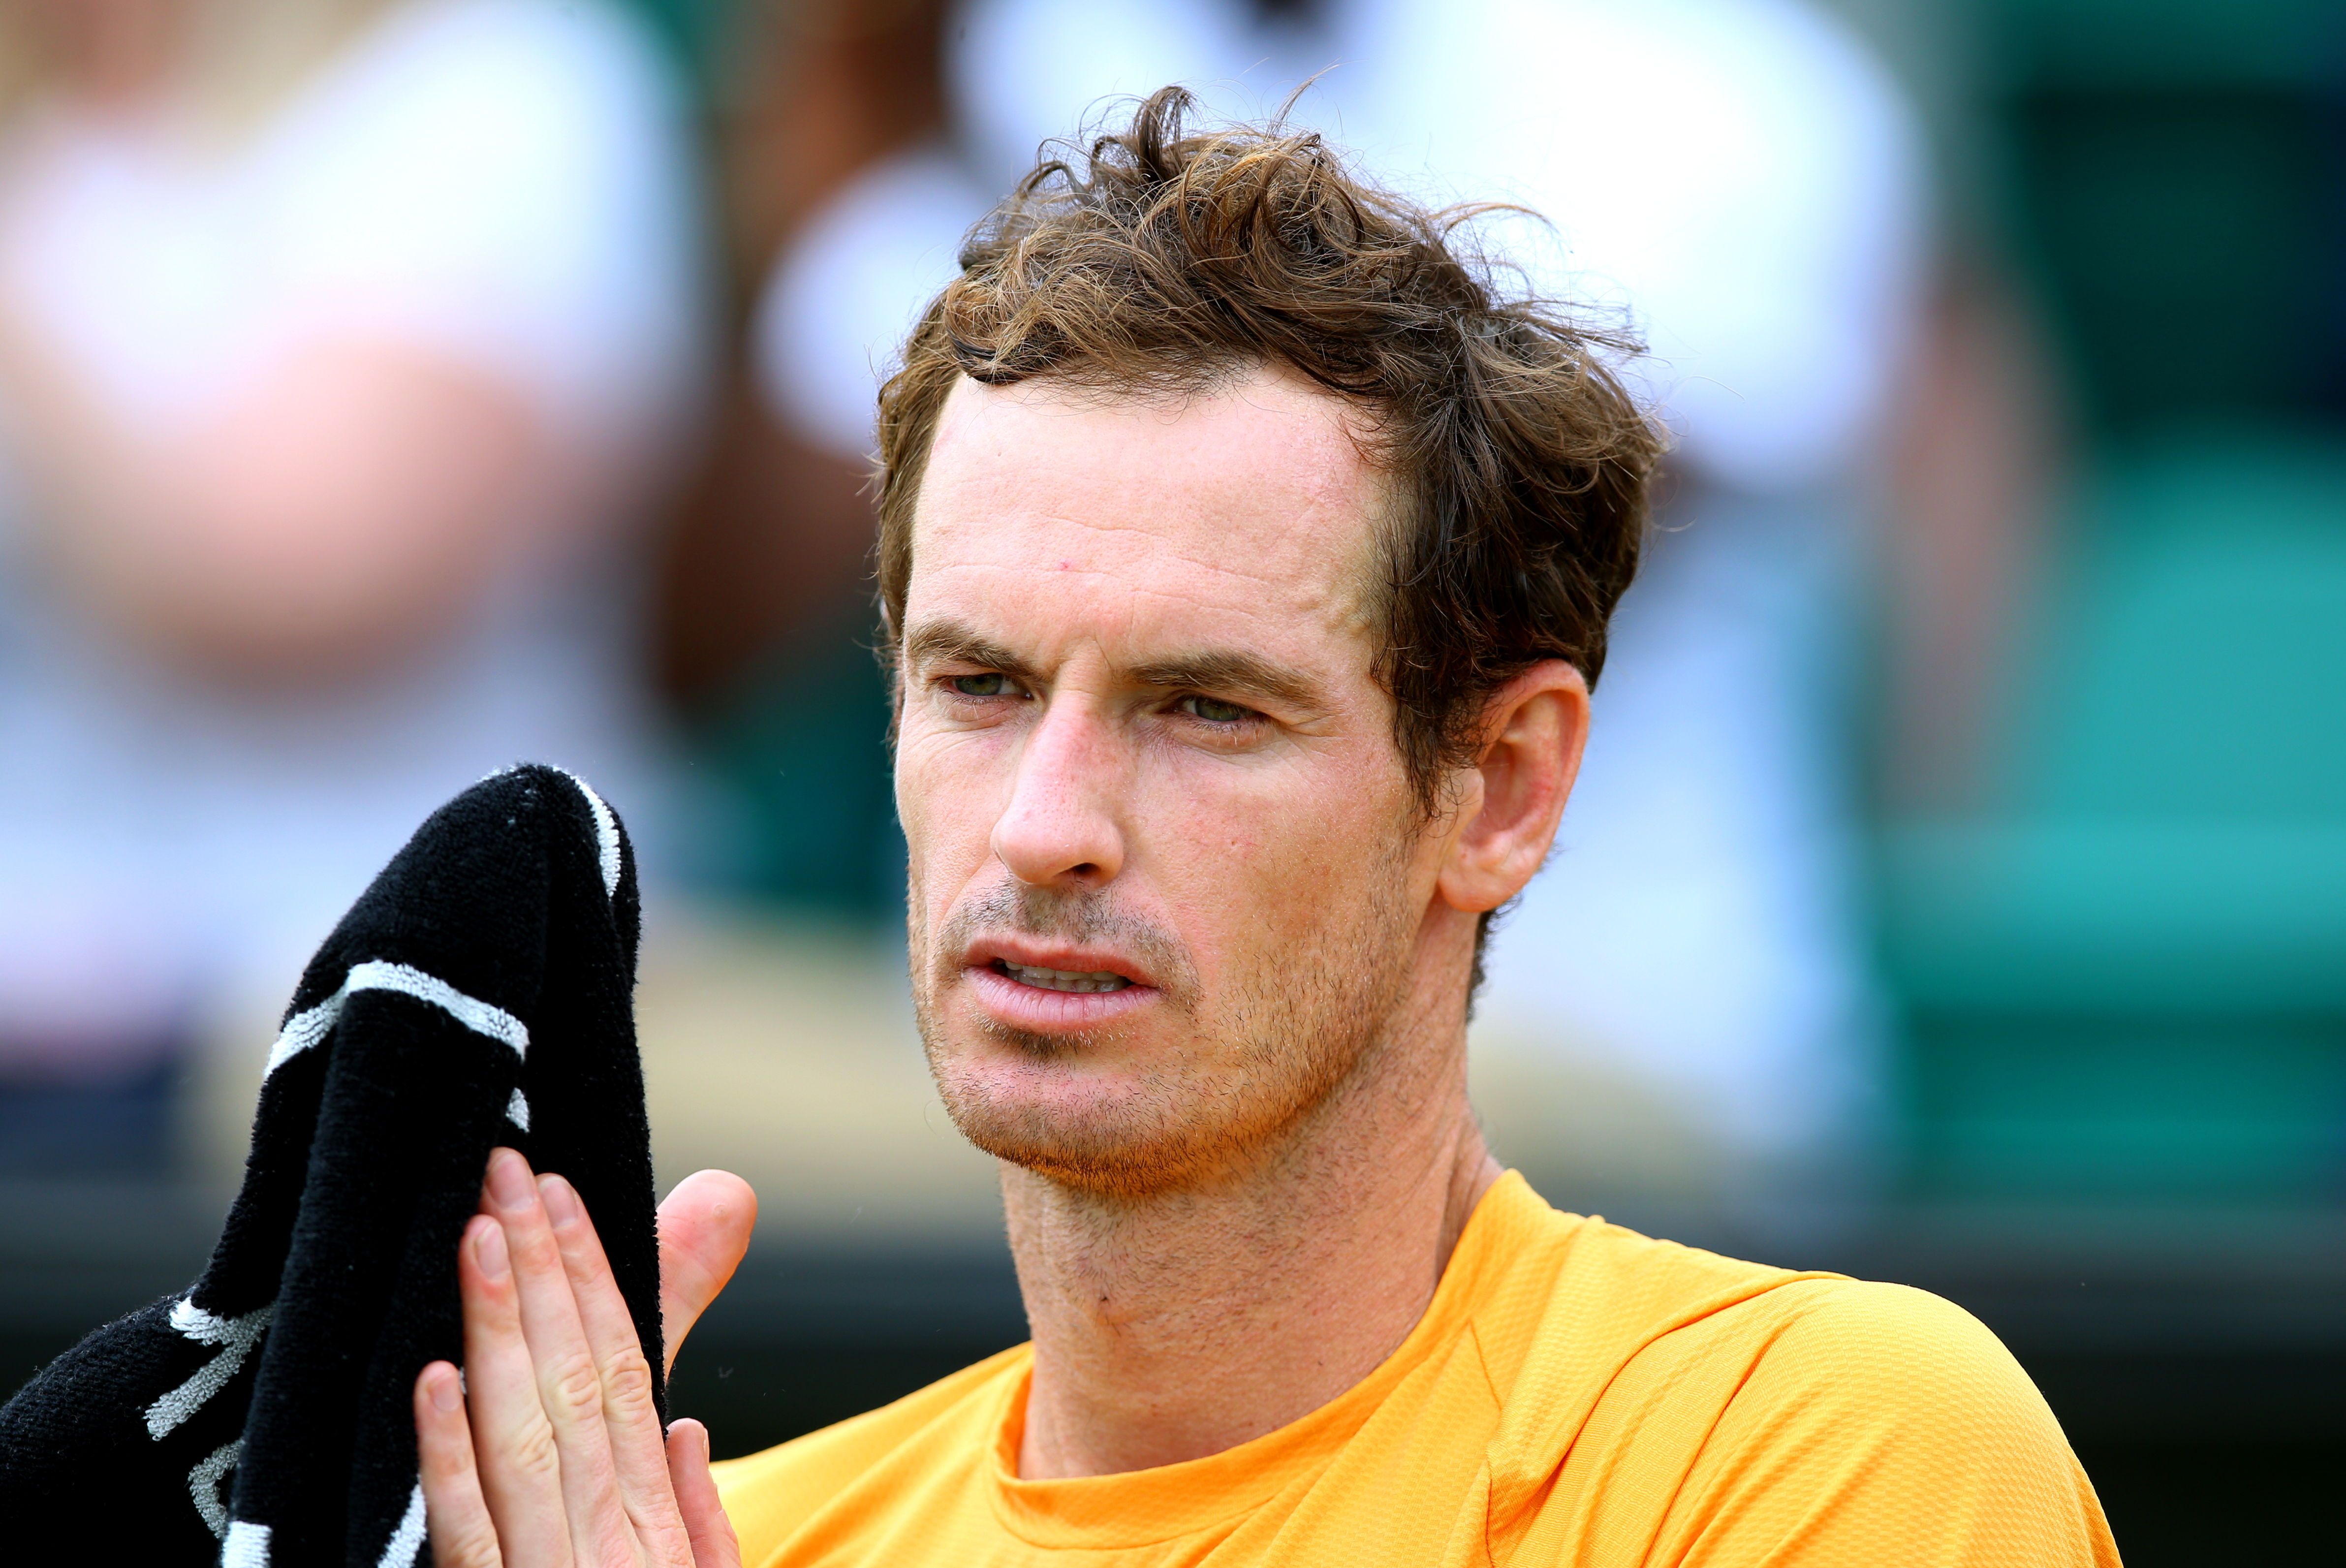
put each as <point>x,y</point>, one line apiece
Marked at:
<point>1881,1424</point>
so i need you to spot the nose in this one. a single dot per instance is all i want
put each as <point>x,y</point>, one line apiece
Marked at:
<point>1061,827</point>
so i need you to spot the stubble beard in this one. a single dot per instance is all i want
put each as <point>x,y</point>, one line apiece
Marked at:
<point>1258,1064</point>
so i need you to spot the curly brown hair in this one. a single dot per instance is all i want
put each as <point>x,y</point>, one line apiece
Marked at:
<point>1160,262</point>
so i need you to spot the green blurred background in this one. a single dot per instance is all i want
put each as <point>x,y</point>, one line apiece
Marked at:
<point>2125,974</point>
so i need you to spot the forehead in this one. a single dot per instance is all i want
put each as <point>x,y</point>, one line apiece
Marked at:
<point>1247,511</point>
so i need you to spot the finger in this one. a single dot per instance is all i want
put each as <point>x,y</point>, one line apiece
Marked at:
<point>569,1384</point>
<point>704,1230</point>
<point>456,1514</point>
<point>630,1415</point>
<point>512,1441</point>
<point>713,1541</point>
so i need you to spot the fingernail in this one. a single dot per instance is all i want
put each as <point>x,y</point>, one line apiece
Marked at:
<point>445,1395</point>
<point>561,1200</point>
<point>509,1184</point>
<point>489,1251</point>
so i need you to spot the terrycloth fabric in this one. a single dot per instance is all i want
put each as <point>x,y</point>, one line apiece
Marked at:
<point>477,994</point>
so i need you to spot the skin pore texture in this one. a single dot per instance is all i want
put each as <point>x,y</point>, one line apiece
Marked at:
<point>1187,954</point>
<point>1232,1178</point>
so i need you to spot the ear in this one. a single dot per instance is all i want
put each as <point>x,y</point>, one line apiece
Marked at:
<point>1510,802</point>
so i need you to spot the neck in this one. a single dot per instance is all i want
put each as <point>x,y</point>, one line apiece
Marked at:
<point>1178,1325</point>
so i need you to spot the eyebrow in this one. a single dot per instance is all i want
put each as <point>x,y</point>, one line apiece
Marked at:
<point>1234,674</point>
<point>1231,672</point>
<point>955,642</point>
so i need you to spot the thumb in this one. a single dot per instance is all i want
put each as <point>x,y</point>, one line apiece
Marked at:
<point>704,1230</point>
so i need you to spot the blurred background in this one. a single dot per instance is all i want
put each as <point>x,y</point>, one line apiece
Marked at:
<point>390,389</point>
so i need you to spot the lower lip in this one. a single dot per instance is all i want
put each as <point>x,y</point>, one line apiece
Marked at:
<point>1018,1005</point>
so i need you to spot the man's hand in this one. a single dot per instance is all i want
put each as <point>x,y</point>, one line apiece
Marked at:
<point>549,1453</point>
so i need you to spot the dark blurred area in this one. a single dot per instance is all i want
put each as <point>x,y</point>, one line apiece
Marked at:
<point>2064,808</point>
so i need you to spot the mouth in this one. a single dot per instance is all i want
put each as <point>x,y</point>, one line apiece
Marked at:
<point>1076,980</point>
<point>1040,986</point>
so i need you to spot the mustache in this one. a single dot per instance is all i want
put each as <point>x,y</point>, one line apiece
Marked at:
<point>1075,916</point>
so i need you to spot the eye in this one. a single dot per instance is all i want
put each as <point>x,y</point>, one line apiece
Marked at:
<point>1214,711</point>
<point>992,684</point>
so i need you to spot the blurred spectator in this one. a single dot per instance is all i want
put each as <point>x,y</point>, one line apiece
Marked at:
<point>765,615</point>
<point>1744,181</point>
<point>340,344</point>
<point>774,537</point>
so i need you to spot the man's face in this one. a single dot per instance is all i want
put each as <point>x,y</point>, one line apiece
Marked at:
<point>1166,872</point>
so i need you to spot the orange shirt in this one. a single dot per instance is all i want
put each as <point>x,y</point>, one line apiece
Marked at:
<point>1575,1393</point>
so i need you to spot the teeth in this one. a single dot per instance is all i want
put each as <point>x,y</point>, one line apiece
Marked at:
<point>1064,979</point>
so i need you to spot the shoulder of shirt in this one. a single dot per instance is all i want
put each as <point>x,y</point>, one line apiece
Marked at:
<point>1587,1318</point>
<point>767,1493</point>
<point>1542,1273</point>
<point>1594,1283</point>
<point>1890,1348</point>
<point>1907,1379</point>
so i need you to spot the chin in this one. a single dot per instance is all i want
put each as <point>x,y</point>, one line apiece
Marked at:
<point>1173,1096</point>
<point>1097,1130</point>
<point>1117,1135</point>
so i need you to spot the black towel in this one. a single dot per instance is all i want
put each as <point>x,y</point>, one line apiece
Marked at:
<point>479,994</point>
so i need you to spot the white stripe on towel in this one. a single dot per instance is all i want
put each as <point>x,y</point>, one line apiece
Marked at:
<point>407,1539</point>
<point>236,1337</point>
<point>204,1485</point>
<point>247,1545</point>
<point>606,833</point>
<point>307,1028</point>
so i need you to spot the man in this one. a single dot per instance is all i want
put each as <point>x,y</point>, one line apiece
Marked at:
<point>1244,564</point>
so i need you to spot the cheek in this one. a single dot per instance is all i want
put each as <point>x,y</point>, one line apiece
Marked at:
<point>1257,865</point>
<point>946,801</point>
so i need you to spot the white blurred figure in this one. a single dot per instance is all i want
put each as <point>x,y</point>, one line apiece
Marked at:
<point>1692,966</point>
<point>341,344</point>
<point>1678,1015</point>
